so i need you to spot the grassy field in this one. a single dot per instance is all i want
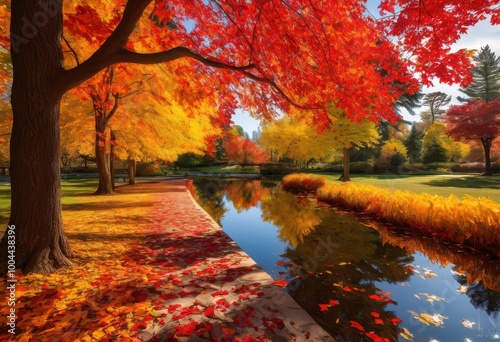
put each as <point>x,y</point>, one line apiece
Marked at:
<point>442,185</point>
<point>70,190</point>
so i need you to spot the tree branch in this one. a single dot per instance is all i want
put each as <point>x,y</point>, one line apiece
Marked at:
<point>126,56</point>
<point>112,112</point>
<point>104,56</point>
<point>75,55</point>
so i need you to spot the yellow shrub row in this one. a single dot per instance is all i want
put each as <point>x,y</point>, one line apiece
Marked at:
<point>472,220</point>
<point>301,181</point>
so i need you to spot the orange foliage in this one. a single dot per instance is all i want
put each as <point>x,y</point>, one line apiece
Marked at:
<point>246,195</point>
<point>243,151</point>
<point>302,182</point>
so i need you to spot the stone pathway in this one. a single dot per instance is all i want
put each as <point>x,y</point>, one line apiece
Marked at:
<point>224,295</point>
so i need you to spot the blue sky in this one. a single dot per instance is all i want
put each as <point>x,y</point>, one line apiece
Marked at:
<point>478,36</point>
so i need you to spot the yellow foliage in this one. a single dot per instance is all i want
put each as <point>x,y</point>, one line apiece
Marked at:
<point>436,134</point>
<point>298,139</point>
<point>391,147</point>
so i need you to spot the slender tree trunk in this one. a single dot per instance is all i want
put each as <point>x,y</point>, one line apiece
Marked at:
<point>345,173</point>
<point>132,166</point>
<point>487,161</point>
<point>40,243</point>
<point>102,158</point>
<point>112,159</point>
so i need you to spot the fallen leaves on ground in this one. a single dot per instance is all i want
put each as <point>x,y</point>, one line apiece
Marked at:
<point>150,265</point>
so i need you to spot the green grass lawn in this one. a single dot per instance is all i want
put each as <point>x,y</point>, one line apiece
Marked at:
<point>442,185</point>
<point>70,190</point>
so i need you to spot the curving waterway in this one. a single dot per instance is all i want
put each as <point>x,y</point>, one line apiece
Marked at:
<point>360,280</point>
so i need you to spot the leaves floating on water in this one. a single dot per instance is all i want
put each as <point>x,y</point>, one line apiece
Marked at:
<point>430,297</point>
<point>468,324</point>
<point>407,335</point>
<point>428,319</point>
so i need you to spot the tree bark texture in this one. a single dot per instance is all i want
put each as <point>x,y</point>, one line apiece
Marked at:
<point>345,173</point>
<point>132,166</point>
<point>103,161</point>
<point>40,244</point>
<point>487,160</point>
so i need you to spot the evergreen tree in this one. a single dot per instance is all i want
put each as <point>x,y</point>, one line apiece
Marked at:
<point>434,102</point>
<point>486,74</point>
<point>435,154</point>
<point>413,144</point>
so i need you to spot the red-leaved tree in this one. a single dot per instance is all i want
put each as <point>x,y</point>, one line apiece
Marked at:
<point>476,120</point>
<point>243,151</point>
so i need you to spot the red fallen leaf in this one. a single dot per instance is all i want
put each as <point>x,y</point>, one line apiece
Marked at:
<point>347,288</point>
<point>356,325</point>
<point>173,307</point>
<point>219,293</point>
<point>241,321</point>
<point>139,325</point>
<point>280,282</point>
<point>270,309</point>
<point>334,302</point>
<point>209,311</point>
<point>228,331</point>
<point>209,326</point>
<point>279,323</point>
<point>227,278</point>
<point>185,330</point>
<point>307,335</point>
<point>375,314</point>
<point>166,296</point>
<point>379,321</point>
<point>324,307</point>
<point>186,312</point>
<point>186,293</point>
<point>396,320</point>
<point>249,339</point>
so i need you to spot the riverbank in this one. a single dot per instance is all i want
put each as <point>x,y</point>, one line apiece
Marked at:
<point>472,222</point>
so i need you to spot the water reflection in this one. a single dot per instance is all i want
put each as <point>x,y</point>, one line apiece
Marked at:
<point>341,270</point>
<point>327,272</point>
<point>295,216</point>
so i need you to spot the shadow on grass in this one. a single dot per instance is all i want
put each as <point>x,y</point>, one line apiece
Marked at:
<point>99,206</point>
<point>479,182</point>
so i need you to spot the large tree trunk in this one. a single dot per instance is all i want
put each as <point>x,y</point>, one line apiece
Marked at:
<point>487,161</point>
<point>345,173</point>
<point>103,162</point>
<point>40,243</point>
<point>132,166</point>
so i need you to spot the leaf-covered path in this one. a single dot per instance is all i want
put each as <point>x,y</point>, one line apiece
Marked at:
<point>153,266</point>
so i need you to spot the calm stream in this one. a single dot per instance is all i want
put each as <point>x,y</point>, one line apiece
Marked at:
<point>357,282</point>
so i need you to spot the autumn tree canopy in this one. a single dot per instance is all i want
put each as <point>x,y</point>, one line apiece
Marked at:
<point>305,58</point>
<point>476,120</point>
